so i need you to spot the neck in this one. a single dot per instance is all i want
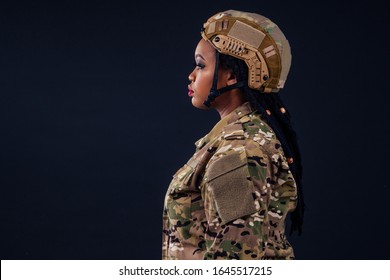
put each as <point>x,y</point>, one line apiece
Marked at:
<point>229,101</point>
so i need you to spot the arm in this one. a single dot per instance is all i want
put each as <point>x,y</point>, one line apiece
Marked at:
<point>241,204</point>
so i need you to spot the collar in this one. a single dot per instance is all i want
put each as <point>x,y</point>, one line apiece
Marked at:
<point>242,110</point>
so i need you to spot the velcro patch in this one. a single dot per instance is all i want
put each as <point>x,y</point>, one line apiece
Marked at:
<point>231,188</point>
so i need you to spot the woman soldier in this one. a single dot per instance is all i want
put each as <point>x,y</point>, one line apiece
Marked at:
<point>230,200</point>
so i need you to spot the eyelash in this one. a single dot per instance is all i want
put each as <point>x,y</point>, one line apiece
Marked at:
<point>199,65</point>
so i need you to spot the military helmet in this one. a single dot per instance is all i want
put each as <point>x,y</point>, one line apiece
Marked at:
<point>256,40</point>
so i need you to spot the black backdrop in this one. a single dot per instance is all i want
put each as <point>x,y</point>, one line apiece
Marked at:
<point>95,119</point>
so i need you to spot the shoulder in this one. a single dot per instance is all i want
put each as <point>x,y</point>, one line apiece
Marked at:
<point>250,142</point>
<point>250,132</point>
<point>246,139</point>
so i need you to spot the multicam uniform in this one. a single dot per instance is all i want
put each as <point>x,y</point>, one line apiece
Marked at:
<point>230,200</point>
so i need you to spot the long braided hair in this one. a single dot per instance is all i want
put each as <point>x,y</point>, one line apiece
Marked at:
<point>273,111</point>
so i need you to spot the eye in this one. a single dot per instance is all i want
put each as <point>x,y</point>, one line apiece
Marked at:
<point>199,66</point>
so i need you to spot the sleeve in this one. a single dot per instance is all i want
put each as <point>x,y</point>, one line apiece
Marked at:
<point>237,190</point>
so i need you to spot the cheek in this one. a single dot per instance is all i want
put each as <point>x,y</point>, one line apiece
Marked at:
<point>205,81</point>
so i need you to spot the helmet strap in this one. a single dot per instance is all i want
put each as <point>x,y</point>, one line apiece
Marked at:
<point>214,92</point>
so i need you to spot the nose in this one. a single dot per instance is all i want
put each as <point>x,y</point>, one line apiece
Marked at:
<point>191,77</point>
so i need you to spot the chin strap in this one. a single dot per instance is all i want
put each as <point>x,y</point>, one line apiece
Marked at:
<point>214,92</point>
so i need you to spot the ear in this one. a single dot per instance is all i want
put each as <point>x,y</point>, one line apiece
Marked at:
<point>232,79</point>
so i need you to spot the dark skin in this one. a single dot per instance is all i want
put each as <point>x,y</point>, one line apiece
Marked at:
<point>201,79</point>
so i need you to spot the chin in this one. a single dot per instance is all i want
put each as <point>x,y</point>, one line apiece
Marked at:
<point>199,104</point>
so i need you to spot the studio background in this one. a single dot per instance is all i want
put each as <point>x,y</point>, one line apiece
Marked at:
<point>95,119</point>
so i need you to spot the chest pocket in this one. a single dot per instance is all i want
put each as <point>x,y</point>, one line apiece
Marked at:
<point>181,179</point>
<point>233,192</point>
<point>178,198</point>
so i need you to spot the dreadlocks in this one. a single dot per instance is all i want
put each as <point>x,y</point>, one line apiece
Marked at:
<point>272,110</point>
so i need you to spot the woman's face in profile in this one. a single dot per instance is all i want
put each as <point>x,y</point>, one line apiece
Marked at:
<point>201,78</point>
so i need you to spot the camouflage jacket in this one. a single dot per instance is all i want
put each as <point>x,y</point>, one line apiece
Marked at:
<point>230,200</point>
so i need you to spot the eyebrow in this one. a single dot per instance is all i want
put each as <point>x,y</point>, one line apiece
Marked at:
<point>199,55</point>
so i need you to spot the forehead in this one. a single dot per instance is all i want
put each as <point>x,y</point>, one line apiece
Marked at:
<point>205,49</point>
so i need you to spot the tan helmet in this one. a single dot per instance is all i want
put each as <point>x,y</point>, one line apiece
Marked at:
<point>256,40</point>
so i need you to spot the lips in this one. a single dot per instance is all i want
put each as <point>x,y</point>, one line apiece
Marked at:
<point>190,92</point>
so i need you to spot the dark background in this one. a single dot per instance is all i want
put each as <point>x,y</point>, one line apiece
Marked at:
<point>95,119</point>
